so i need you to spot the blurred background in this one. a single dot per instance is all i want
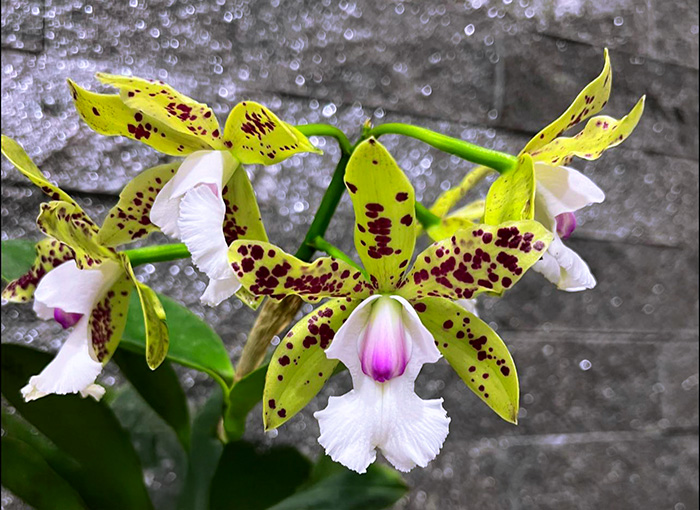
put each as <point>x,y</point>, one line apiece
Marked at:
<point>608,377</point>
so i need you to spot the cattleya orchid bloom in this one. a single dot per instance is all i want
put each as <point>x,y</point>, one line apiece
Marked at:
<point>558,191</point>
<point>81,284</point>
<point>384,327</point>
<point>207,201</point>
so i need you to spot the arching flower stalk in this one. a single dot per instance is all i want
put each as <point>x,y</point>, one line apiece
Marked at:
<point>386,326</point>
<point>559,191</point>
<point>83,285</point>
<point>207,201</point>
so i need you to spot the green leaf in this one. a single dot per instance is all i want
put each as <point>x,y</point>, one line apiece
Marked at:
<point>512,196</point>
<point>242,398</point>
<point>192,342</point>
<point>333,486</point>
<point>17,258</point>
<point>28,475</point>
<point>18,428</point>
<point>82,428</point>
<point>204,455</point>
<point>160,388</point>
<point>252,479</point>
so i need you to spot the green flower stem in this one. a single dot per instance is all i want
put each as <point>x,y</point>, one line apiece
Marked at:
<point>161,253</point>
<point>497,160</point>
<point>325,210</point>
<point>322,245</point>
<point>425,217</point>
<point>327,130</point>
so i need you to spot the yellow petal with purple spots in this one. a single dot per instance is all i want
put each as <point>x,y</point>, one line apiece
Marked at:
<point>384,204</point>
<point>475,352</point>
<point>601,133</point>
<point>162,102</point>
<point>299,367</point>
<point>108,115</point>
<point>266,270</point>
<point>155,324</point>
<point>21,160</point>
<point>49,254</point>
<point>512,196</point>
<point>129,220</point>
<point>590,101</point>
<point>255,136</point>
<point>484,258</point>
<point>68,224</point>
<point>108,318</point>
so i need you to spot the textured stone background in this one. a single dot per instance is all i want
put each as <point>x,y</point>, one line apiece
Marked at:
<point>609,377</point>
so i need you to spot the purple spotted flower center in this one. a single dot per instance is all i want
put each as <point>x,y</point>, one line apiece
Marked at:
<point>384,349</point>
<point>566,224</point>
<point>66,319</point>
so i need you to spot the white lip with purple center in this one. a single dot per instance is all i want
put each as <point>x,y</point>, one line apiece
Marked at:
<point>384,345</point>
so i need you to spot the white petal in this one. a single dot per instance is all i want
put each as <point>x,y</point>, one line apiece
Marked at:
<point>201,229</point>
<point>201,167</point>
<point>165,211</point>
<point>350,425</point>
<point>94,390</point>
<point>344,346</point>
<point>218,290</point>
<point>562,189</point>
<point>415,429</point>
<point>564,267</point>
<point>390,416</point>
<point>71,371</point>
<point>72,289</point>
<point>470,305</point>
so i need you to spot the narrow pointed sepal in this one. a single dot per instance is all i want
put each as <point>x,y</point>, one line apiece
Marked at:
<point>475,352</point>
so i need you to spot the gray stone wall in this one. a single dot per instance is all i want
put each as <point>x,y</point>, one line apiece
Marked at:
<point>609,377</point>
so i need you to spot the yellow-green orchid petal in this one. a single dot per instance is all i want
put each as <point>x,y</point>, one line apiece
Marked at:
<point>466,217</point>
<point>512,196</point>
<point>600,133</point>
<point>108,115</point>
<point>164,103</point>
<point>21,160</point>
<point>155,324</point>
<point>266,270</point>
<point>475,352</point>
<point>49,254</point>
<point>299,367</point>
<point>384,204</point>
<point>256,136</point>
<point>447,200</point>
<point>242,221</point>
<point>108,318</point>
<point>68,224</point>
<point>484,258</point>
<point>590,101</point>
<point>447,227</point>
<point>129,220</point>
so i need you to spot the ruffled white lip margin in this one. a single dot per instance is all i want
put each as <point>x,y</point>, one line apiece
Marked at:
<point>73,290</point>
<point>561,190</point>
<point>190,207</point>
<point>387,416</point>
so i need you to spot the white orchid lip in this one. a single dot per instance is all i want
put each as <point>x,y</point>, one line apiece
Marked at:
<point>383,348</point>
<point>566,224</point>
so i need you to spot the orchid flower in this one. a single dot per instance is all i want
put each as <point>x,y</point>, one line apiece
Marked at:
<point>385,326</point>
<point>560,191</point>
<point>83,285</point>
<point>207,201</point>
